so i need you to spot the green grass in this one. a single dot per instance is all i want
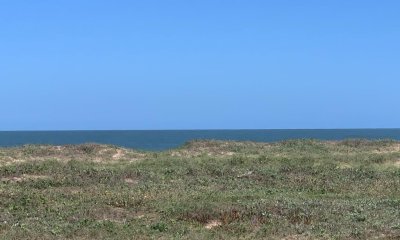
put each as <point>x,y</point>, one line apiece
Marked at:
<point>300,189</point>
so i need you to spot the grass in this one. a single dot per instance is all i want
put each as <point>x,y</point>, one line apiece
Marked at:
<point>299,189</point>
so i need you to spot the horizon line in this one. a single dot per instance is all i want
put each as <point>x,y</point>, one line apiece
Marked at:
<point>205,129</point>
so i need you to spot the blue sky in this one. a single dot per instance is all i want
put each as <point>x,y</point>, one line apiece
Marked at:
<point>206,64</point>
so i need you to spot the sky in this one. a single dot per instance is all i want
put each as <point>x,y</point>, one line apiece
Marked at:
<point>199,64</point>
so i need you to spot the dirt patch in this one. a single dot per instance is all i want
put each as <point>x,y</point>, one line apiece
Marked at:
<point>397,163</point>
<point>176,154</point>
<point>113,214</point>
<point>391,164</point>
<point>65,153</point>
<point>120,154</point>
<point>392,149</point>
<point>199,152</point>
<point>213,224</point>
<point>35,177</point>
<point>24,177</point>
<point>344,166</point>
<point>130,181</point>
<point>245,175</point>
<point>11,179</point>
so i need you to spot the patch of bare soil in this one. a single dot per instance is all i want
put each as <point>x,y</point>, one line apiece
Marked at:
<point>130,181</point>
<point>213,224</point>
<point>344,166</point>
<point>114,214</point>
<point>176,154</point>
<point>120,154</point>
<point>392,149</point>
<point>199,152</point>
<point>24,177</point>
<point>245,175</point>
<point>86,152</point>
<point>397,163</point>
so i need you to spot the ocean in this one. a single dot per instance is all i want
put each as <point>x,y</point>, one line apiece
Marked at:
<point>157,140</point>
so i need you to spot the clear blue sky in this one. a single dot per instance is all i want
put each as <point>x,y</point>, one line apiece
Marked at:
<point>73,64</point>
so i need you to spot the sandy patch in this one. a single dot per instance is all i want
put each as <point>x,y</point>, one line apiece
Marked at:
<point>35,177</point>
<point>130,181</point>
<point>11,179</point>
<point>200,152</point>
<point>397,163</point>
<point>24,177</point>
<point>389,164</point>
<point>244,175</point>
<point>176,154</point>
<point>112,214</point>
<point>213,224</point>
<point>295,237</point>
<point>344,166</point>
<point>120,153</point>
<point>103,151</point>
<point>391,149</point>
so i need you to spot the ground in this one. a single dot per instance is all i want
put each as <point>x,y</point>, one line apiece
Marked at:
<point>300,189</point>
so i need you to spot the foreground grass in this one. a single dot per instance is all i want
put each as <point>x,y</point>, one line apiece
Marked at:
<point>206,189</point>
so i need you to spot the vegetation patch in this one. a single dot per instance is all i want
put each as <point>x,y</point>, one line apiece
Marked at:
<point>297,189</point>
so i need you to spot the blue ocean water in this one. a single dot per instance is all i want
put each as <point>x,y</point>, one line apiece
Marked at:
<point>167,139</point>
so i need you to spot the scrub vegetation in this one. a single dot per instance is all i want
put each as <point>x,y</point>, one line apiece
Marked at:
<point>299,189</point>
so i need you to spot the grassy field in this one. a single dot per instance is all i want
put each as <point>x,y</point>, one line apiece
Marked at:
<point>301,189</point>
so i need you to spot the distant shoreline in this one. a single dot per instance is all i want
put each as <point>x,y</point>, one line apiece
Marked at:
<point>214,142</point>
<point>159,140</point>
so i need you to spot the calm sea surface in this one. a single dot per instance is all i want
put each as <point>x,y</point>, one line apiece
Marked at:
<point>161,140</point>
